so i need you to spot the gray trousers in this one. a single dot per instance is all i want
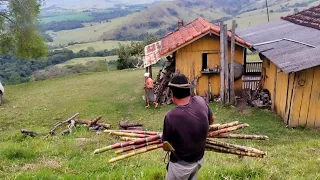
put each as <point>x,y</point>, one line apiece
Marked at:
<point>182,170</point>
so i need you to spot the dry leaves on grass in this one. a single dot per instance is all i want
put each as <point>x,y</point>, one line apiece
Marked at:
<point>43,163</point>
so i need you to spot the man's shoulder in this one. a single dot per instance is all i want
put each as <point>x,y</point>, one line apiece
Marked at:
<point>173,113</point>
<point>198,99</point>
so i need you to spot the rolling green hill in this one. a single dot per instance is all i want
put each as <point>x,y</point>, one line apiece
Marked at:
<point>98,45</point>
<point>162,17</point>
<point>85,60</point>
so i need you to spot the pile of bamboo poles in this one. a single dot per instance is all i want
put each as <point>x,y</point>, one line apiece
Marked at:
<point>134,142</point>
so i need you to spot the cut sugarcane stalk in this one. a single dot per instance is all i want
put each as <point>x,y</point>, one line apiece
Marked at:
<point>223,126</point>
<point>137,147</point>
<point>125,144</point>
<point>128,138</point>
<point>133,153</point>
<point>243,136</point>
<point>226,130</point>
<point>232,151</point>
<point>140,132</point>
<point>234,146</point>
<point>116,133</point>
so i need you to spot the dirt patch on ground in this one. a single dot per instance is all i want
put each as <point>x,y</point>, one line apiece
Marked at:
<point>46,163</point>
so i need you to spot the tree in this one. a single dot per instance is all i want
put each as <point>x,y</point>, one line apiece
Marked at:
<point>130,56</point>
<point>18,31</point>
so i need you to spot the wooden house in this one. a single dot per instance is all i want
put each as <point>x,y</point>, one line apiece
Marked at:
<point>195,48</point>
<point>290,50</point>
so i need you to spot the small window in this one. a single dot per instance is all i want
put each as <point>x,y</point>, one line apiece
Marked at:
<point>204,61</point>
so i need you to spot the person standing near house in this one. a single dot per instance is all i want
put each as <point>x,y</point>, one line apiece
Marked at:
<point>185,129</point>
<point>149,91</point>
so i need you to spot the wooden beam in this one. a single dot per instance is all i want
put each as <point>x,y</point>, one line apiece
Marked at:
<point>150,71</point>
<point>222,56</point>
<point>274,88</point>
<point>226,65</point>
<point>232,93</point>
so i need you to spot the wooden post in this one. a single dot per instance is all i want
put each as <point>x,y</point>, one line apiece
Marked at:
<point>150,71</point>
<point>232,94</point>
<point>222,62</point>
<point>226,66</point>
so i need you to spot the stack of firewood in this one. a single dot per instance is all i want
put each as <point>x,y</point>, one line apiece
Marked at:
<point>137,142</point>
<point>161,89</point>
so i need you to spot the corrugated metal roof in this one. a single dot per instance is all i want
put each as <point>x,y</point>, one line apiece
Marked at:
<point>286,44</point>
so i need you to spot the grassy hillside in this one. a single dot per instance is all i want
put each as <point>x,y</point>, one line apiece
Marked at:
<point>277,10</point>
<point>98,45</point>
<point>88,33</point>
<point>90,4</point>
<point>292,154</point>
<point>66,16</point>
<point>83,61</point>
<point>162,17</point>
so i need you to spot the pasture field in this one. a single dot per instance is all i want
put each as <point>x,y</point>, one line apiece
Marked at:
<point>117,95</point>
<point>83,61</point>
<point>66,16</point>
<point>98,45</point>
<point>86,34</point>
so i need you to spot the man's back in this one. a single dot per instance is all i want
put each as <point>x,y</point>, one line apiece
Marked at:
<point>186,128</point>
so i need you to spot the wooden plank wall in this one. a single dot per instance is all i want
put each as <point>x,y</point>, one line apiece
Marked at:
<point>189,62</point>
<point>305,105</point>
<point>270,77</point>
<point>289,96</point>
<point>281,94</point>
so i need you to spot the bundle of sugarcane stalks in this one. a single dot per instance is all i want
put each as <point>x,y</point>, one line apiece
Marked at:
<point>134,142</point>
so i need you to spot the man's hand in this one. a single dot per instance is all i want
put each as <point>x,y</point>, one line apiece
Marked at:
<point>213,118</point>
<point>167,147</point>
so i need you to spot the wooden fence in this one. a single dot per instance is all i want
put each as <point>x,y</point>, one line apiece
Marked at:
<point>253,68</point>
<point>250,82</point>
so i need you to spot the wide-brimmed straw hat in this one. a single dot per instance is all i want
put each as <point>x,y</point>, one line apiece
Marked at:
<point>180,81</point>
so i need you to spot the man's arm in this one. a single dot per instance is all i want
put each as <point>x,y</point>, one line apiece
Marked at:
<point>166,134</point>
<point>211,117</point>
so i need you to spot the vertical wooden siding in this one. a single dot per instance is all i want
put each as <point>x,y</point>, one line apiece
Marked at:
<point>281,94</point>
<point>189,62</point>
<point>270,77</point>
<point>295,96</point>
<point>305,110</point>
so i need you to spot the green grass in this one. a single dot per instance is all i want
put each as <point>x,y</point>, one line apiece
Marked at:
<point>292,153</point>
<point>83,61</point>
<point>88,33</point>
<point>66,16</point>
<point>98,46</point>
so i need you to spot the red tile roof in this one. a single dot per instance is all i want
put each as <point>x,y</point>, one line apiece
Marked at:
<point>309,17</point>
<point>186,34</point>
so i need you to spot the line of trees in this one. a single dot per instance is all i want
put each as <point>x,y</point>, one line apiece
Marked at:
<point>14,70</point>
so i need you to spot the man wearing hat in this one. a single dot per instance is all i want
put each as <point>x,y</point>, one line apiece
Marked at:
<point>149,90</point>
<point>186,128</point>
